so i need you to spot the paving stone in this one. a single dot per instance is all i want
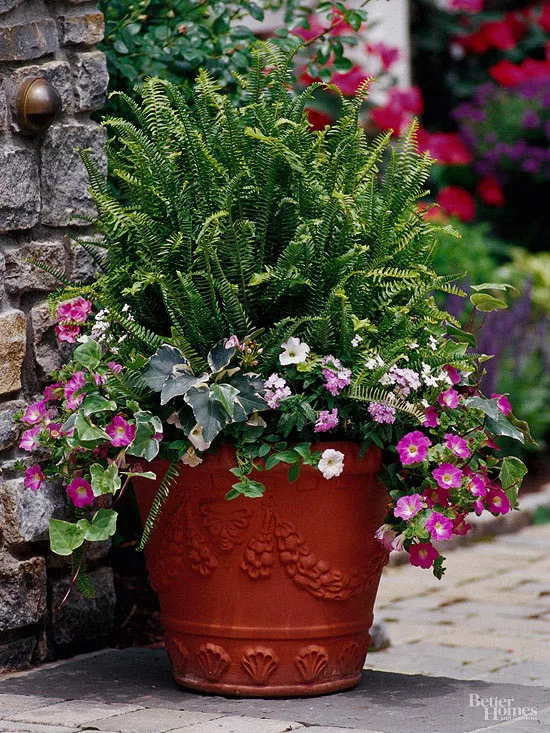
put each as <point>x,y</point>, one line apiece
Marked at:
<point>10,704</point>
<point>235,724</point>
<point>19,727</point>
<point>73,713</point>
<point>152,720</point>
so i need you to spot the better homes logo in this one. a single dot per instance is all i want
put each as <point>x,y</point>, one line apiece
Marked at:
<point>501,708</point>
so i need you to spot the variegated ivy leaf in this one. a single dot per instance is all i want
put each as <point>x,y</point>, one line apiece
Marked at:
<point>160,366</point>
<point>219,357</point>
<point>179,381</point>
<point>102,526</point>
<point>104,480</point>
<point>144,444</point>
<point>65,536</point>
<point>251,389</point>
<point>209,412</point>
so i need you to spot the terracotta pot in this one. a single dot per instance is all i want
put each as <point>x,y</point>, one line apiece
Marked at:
<point>269,597</point>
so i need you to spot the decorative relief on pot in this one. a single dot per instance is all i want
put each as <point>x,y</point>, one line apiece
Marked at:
<point>177,652</point>
<point>202,558</point>
<point>213,661</point>
<point>311,662</point>
<point>259,664</point>
<point>349,663</point>
<point>225,523</point>
<point>164,564</point>
<point>259,555</point>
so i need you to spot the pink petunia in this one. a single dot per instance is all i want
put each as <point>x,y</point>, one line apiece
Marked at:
<point>439,526</point>
<point>54,429</point>
<point>29,440</point>
<point>450,398</point>
<point>503,403</point>
<point>408,507</point>
<point>477,486</point>
<point>448,476</point>
<point>498,502</point>
<point>413,447</point>
<point>386,535</point>
<point>53,392</point>
<point>34,478</point>
<point>457,445</point>
<point>72,390</point>
<point>120,432</point>
<point>422,554</point>
<point>460,525</point>
<point>35,413</point>
<point>454,374</point>
<point>431,419</point>
<point>80,492</point>
<point>77,309</point>
<point>67,333</point>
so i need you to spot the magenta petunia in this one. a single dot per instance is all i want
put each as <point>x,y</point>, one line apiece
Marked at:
<point>53,392</point>
<point>457,445</point>
<point>114,367</point>
<point>413,447</point>
<point>476,485</point>
<point>120,432</point>
<point>431,419</point>
<point>67,333</point>
<point>29,439</point>
<point>35,413</point>
<point>72,390</point>
<point>439,526</point>
<point>454,374</point>
<point>34,478</point>
<point>448,476</point>
<point>54,429</point>
<point>503,403</point>
<point>76,309</point>
<point>479,506</point>
<point>436,495</point>
<point>450,398</point>
<point>407,507</point>
<point>80,492</point>
<point>422,554</point>
<point>460,525</point>
<point>497,502</point>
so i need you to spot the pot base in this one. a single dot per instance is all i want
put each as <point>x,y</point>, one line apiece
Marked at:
<point>269,691</point>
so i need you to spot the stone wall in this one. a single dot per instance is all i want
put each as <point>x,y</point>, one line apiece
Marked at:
<point>42,195</point>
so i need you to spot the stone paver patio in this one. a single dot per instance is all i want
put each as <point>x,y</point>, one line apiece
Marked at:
<point>483,633</point>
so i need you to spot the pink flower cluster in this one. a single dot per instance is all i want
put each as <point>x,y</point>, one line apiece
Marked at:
<point>70,314</point>
<point>337,376</point>
<point>276,390</point>
<point>327,420</point>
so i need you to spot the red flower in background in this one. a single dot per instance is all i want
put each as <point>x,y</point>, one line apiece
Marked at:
<point>456,201</point>
<point>445,147</point>
<point>350,81</point>
<point>502,35</point>
<point>499,35</point>
<point>317,118</point>
<point>401,106</point>
<point>490,192</point>
<point>466,6</point>
<point>543,19</point>
<point>388,54</point>
<point>506,73</point>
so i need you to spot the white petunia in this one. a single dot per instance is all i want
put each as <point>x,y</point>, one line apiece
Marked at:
<point>197,438</point>
<point>190,458</point>
<point>294,352</point>
<point>331,463</point>
<point>356,340</point>
<point>374,362</point>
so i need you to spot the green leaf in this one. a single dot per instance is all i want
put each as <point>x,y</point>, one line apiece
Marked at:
<point>65,536</point>
<point>97,403</point>
<point>511,476</point>
<point>219,357</point>
<point>294,471</point>
<point>264,450</point>
<point>102,526</point>
<point>208,411</point>
<point>143,474</point>
<point>288,456</point>
<point>104,480</point>
<point>144,444</point>
<point>487,303</point>
<point>493,286</point>
<point>502,426</point>
<point>160,365</point>
<point>225,394</point>
<point>459,335</point>
<point>86,432</point>
<point>88,354</point>
<point>271,462</point>
<point>489,407</point>
<point>179,381</point>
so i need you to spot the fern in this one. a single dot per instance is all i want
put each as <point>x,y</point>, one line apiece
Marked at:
<point>163,492</point>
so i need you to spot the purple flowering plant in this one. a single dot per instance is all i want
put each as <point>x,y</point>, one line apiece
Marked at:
<point>276,294</point>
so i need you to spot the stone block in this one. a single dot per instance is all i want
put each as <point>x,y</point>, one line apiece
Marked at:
<point>23,277</point>
<point>4,119</point>
<point>83,620</point>
<point>46,351</point>
<point>20,189</point>
<point>30,40</point>
<point>9,431</point>
<point>16,654</point>
<point>86,28</point>
<point>12,349</point>
<point>6,5</point>
<point>90,80</point>
<point>25,514</point>
<point>84,268</point>
<point>22,592</point>
<point>64,179</point>
<point>58,73</point>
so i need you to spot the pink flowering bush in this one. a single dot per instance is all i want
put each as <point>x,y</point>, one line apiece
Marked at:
<point>275,294</point>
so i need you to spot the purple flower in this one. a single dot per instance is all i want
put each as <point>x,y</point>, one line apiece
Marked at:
<point>408,507</point>
<point>457,445</point>
<point>337,377</point>
<point>120,432</point>
<point>327,420</point>
<point>114,367</point>
<point>382,413</point>
<point>448,476</point>
<point>530,119</point>
<point>34,478</point>
<point>276,390</point>
<point>413,447</point>
<point>439,526</point>
<point>477,485</point>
